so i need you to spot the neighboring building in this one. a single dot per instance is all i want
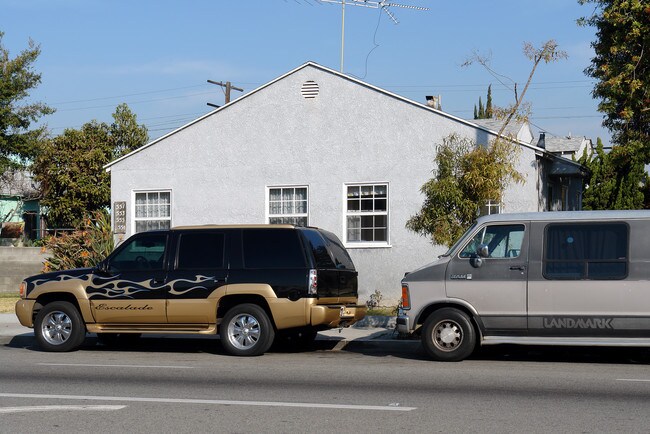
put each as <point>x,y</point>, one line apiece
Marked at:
<point>517,129</point>
<point>568,147</point>
<point>19,205</point>
<point>314,147</point>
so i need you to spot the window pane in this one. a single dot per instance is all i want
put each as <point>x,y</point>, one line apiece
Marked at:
<point>143,253</point>
<point>503,241</point>
<point>279,248</point>
<point>201,250</point>
<point>586,251</point>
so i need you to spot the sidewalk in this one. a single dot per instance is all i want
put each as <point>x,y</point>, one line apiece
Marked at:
<point>371,332</point>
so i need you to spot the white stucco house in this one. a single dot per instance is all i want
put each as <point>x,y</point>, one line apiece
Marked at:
<point>316,147</point>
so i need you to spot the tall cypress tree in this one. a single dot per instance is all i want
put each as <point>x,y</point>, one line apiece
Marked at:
<point>488,103</point>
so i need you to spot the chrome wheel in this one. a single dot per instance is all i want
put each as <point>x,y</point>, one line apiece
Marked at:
<point>447,335</point>
<point>56,328</point>
<point>244,331</point>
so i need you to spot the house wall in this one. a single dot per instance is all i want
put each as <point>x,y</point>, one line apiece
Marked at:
<point>219,167</point>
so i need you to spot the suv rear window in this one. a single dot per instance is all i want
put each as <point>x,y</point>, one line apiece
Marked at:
<point>319,248</point>
<point>275,248</point>
<point>341,257</point>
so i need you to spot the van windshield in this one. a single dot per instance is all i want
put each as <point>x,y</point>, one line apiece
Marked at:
<point>459,240</point>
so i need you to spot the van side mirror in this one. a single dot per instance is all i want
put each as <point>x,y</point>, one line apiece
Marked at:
<point>476,261</point>
<point>482,251</point>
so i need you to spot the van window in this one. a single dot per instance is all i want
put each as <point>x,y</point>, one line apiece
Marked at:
<point>200,250</point>
<point>272,248</point>
<point>503,241</point>
<point>593,251</point>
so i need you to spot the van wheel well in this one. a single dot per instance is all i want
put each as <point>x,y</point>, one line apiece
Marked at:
<point>229,301</point>
<point>434,307</point>
<point>51,297</point>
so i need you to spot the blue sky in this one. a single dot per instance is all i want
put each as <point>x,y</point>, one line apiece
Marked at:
<point>157,55</point>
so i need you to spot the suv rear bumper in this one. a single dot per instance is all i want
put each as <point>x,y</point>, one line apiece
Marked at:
<point>339,315</point>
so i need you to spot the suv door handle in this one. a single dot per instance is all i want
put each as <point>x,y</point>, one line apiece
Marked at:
<point>518,267</point>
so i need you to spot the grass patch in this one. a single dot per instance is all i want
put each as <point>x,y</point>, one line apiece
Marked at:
<point>382,311</point>
<point>8,302</point>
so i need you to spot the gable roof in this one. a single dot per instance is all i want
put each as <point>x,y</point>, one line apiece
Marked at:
<point>564,144</point>
<point>511,130</point>
<point>310,64</point>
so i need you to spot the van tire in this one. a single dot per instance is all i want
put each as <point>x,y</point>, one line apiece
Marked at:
<point>448,335</point>
<point>59,327</point>
<point>246,330</point>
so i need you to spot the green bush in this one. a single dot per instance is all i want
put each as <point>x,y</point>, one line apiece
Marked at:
<point>86,246</point>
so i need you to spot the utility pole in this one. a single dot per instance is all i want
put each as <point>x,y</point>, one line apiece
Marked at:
<point>227,86</point>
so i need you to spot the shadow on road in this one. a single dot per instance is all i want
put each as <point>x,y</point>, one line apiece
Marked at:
<point>409,349</point>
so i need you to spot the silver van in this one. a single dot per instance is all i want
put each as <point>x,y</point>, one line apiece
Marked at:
<point>551,278</point>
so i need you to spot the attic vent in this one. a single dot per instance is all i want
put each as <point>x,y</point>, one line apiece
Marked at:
<point>309,89</point>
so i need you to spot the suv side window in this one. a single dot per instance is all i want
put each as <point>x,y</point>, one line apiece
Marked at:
<point>200,250</point>
<point>275,248</point>
<point>146,252</point>
<point>503,241</point>
<point>591,251</point>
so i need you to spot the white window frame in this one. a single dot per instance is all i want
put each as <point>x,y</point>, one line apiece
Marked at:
<point>346,214</point>
<point>267,202</point>
<point>492,206</point>
<point>135,219</point>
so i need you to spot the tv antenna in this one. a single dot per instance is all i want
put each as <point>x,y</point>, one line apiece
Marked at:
<point>382,4</point>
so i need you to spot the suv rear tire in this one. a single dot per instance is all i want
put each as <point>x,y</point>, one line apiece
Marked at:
<point>59,327</point>
<point>448,335</point>
<point>246,330</point>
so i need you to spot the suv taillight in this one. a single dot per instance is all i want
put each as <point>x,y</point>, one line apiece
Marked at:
<point>406,299</point>
<point>313,283</point>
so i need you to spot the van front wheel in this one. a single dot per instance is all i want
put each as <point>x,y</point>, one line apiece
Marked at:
<point>448,335</point>
<point>246,330</point>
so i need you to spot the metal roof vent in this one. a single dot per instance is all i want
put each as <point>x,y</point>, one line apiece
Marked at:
<point>309,89</point>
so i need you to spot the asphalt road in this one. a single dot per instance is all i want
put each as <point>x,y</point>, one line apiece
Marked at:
<point>189,385</point>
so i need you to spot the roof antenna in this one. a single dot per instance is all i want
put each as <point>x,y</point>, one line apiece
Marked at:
<point>382,4</point>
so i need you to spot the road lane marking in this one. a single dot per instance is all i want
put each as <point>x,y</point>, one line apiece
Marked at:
<point>27,409</point>
<point>209,401</point>
<point>639,380</point>
<point>115,366</point>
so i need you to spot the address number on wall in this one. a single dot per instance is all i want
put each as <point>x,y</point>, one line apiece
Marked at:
<point>119,217</point>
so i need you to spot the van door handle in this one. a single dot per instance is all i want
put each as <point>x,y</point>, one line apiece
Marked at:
<point>518,267</point>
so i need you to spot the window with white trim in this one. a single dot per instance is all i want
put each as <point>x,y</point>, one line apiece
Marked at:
<point>288,205</point>
<point>366,215</point>
<point>490,207</point>
<point>153,210</point>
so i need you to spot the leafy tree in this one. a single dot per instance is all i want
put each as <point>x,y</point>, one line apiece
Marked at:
<point>621,67</point>
<point>125,131</point>
<point>467,176</point>
<point>614,179</point>
<point>70,171</point>
<point>488,103</point>
<point>19,144</point>
<point>484,112</point>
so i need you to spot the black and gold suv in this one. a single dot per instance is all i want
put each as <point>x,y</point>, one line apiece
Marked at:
<point>249,284</point>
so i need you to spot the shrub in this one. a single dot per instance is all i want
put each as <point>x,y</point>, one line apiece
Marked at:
<point>86,246</point>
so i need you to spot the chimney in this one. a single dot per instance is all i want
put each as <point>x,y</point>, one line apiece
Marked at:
<point>541,143</point>
<point>434,102</point>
